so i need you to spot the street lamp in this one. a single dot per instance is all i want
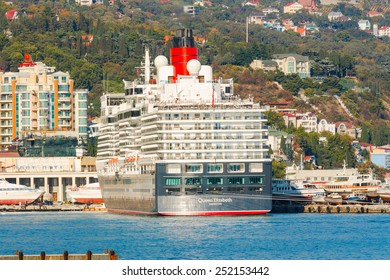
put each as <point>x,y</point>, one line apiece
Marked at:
<point>42,145</point>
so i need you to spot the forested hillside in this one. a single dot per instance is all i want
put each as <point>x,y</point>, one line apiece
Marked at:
<point>352,64</point>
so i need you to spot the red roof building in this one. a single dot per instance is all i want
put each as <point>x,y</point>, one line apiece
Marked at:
<point>11,15</point>
<point>374,14</point>
<point>309,5</point>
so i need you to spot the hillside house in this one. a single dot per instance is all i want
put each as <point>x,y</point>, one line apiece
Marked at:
<point>292,8</point>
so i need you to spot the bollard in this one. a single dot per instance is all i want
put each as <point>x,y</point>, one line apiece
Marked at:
<point>43,255</point>
<point>89,255</point>
<point>20,253</point>
<point>112,255</point>
<point>66,255</point>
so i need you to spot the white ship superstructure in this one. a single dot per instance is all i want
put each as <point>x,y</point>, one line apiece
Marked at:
<point>181,143</point>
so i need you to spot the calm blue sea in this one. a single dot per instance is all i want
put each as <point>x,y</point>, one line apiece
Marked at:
<point>269,237</point>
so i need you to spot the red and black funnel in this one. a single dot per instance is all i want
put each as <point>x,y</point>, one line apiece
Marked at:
<point>183,51</point>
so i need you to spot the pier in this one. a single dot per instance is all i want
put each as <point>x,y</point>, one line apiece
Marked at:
<point>333,209</point>
<point>52,208</point>
<point>107,255</point>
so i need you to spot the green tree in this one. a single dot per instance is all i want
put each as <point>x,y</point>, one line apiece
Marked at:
<point>275,120</point>
<point>4,41</point>
<point>292,82</point>
<point>87,75</point>
<point>278,169</point>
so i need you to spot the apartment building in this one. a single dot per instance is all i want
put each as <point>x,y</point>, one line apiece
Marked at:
<point>38,99</point>
<point>293,63</point>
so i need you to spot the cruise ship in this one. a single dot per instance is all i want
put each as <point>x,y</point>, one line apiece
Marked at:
<point>178,142</point>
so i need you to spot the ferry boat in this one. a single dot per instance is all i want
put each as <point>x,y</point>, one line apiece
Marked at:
<point>181,143</point>
<point>17,194</point>
<point>354,183</point>
<point>86,194</point>
<point>295,190</point>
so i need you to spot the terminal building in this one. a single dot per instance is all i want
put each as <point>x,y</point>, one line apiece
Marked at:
<point>51,174</point>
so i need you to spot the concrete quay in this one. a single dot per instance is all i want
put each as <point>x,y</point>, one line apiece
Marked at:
<point>333,209</point>
<point>353,208</point>
<point>52,208</point>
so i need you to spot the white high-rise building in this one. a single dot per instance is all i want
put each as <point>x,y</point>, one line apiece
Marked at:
<point>37,99</point>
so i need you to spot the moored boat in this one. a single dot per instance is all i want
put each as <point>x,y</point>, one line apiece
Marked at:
<point>86,194</point>
<point>384,193</point>
<point>295,190</point>
<point>17,194</point>
<point>353,198</point>
<point>354,183</point>
<point>334,199</point>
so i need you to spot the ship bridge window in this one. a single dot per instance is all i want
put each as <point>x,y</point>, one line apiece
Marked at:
<point>235,180</point>
<point>193,181</point>
<point>133,91</point>
<point>172,181</point>
<point>236,167</point>
<point>194,168</point>
<point>214,168</point>
<point>214,181</point>
<point>256,167</point>
<point>173,168</point>
<point>257,180</point>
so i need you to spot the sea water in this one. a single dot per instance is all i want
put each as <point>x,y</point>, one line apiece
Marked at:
<point>268,237</point>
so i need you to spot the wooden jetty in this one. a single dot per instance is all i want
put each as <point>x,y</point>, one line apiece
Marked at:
<point>107,255</point>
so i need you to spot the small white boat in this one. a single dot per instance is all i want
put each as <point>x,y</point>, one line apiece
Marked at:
<point>334,199</point>
<point>296,190</point>
<point>319,199</point>
<point>384,193</point>
<point>17,194</point>
<point>87,194</point>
